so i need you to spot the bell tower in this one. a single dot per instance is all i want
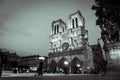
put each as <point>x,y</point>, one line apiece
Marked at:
<point>58,27</point>
<point>79,35</point>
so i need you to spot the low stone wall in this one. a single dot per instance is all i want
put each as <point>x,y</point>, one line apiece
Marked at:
<point>113,56</point>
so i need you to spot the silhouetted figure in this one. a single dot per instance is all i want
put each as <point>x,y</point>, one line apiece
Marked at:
<point>105,65</point>
<point>2,61</point>
<point>40,69</point>
<point>103,68</point>
<point>66,70</point>
<point>1,66</point>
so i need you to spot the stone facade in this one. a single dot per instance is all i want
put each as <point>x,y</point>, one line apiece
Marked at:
<point>64,38</point>
<point>113,56</point>
<point>69,44</point>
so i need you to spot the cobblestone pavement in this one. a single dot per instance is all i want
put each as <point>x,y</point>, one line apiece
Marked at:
<point>64,77</point>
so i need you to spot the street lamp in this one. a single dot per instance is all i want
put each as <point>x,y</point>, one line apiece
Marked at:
<point>66,64</point>
<point>80,69</point>
<point>40,68</point>
<point>88,69</point>
<point>78,65</point>
<point>41,58</point>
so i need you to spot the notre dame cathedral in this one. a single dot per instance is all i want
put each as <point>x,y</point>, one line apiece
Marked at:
<point>68,46</point>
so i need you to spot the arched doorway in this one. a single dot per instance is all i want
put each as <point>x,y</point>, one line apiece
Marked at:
<point>63,65</point>
<point>76,66</point>
<point>53,66</point>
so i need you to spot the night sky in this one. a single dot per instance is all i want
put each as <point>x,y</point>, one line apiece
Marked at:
<point>25,25</point>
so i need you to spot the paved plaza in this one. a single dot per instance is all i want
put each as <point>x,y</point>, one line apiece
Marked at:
<point>64,77</point>
<point>10,74</point>
<point>30,76</point>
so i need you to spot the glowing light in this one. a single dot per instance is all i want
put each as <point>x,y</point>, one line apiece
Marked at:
<point>66,62</point>
<point>78,65</point>
<point>41,58</point>
<point>88,67</point>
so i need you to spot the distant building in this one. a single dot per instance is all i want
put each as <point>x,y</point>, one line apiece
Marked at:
<point>2,62</point>
<point>31,63</point>
<point>12,60</point>
<point>69,45</point>
<point>12,57</point>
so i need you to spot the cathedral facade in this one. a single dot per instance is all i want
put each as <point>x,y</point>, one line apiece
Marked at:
<point>68,46</point>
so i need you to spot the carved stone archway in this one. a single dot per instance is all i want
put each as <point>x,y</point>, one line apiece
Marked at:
<point>76,65</point>
<point>63,65</point>
<point>53,66</point>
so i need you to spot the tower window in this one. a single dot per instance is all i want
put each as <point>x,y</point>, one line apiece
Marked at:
<point>57,28</point>
<point>54,29</point>
<point>73,23</point>
<point>76,22</point>
<point>63,29</point>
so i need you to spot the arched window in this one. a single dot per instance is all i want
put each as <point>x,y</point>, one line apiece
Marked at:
<point>73,23</point>
<point>76,20</point>
<point>54,29</point>
<point>63,29</point>
<point>57,28</point>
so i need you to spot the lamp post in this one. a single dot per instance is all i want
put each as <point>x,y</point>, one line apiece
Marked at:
<point>78,66</point>
<point>66,64</point>
<point>40,68</point>
<point>41,58</point>
<point>81,71</point>
<point>88,69</point>
<point>3,59</point>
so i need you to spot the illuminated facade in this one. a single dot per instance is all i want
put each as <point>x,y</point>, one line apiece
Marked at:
<point>69,43</point>
<point>65,38</point>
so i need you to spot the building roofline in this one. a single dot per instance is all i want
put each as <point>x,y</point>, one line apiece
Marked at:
<point>58,20</point>
<point>77,12</point>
